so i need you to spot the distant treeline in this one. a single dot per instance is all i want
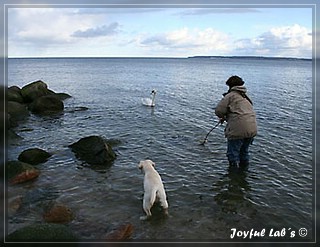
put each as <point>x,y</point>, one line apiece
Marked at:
<point>251,57</point>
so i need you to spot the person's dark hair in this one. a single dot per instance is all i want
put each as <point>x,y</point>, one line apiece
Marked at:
<point>234,81</point>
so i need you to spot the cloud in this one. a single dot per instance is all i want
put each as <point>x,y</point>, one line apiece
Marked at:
<point>188,40</point>
<point>292,41</point>
<point>43,25</point>
<point>38,31</point>
<point>286,41</point>
<point>42,31</point>
<point>104,30</point>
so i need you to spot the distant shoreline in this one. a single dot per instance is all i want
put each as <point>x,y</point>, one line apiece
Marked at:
<point>250,57</point>
<point>191,57</point>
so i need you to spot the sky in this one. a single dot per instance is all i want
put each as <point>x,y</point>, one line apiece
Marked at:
<point>175,31</point>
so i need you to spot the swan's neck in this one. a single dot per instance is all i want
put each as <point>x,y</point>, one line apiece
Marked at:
<point>153,99</point>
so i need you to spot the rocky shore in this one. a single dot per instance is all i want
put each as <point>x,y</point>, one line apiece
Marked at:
<point>36,98</point>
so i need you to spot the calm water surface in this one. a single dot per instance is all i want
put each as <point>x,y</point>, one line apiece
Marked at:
<point>205,199</point>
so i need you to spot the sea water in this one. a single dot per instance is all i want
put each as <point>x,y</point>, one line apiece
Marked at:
<point>205,200</point>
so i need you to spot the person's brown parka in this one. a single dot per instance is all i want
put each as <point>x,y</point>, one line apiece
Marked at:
<point>238,111</point>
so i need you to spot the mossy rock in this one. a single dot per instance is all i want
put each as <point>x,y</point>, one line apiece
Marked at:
<point>17,110</point>
<point>42,232</point>
<point>19,172</point>
<point>94,150</point>
<point>14,94</point>
<point>34,90</point>
<point>34,156</point>
<point>46,105</point>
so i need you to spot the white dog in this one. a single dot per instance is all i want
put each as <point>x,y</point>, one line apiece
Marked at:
<point>153,188</point>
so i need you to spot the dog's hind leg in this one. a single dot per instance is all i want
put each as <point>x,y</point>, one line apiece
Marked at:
<point>163,201</point>
<point>147,208</point>
<point>147,204</point>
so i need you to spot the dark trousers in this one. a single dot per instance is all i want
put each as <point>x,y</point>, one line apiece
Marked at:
<point>238,150</point>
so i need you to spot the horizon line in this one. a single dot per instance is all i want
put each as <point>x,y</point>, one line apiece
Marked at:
<point>150,57</point>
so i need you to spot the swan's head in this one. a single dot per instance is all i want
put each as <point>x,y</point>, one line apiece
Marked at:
<point>153,91</point>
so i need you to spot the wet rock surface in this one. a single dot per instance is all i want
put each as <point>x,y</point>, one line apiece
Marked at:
<point>46,105</point>
<point>20,172</point>
<point>122,232</point>
<point>43,232</point>
<point>94,150</point>
<point>58,213</point>
<point>34,156</point>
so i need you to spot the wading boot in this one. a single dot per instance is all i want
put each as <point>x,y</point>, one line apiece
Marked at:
<point>244,164</point>
<point>233,166</point>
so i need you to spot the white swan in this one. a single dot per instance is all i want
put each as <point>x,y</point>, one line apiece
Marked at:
<point>148,101</point>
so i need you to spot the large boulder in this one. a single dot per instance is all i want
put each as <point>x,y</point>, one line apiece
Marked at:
<point>46,105</point>
<point>34,156</point>
<point>34,90</point>
<point>43,232</point>
<point>20,172</point>
<point>14,94</point>
<point>17,111</point>
<point>94,150</point>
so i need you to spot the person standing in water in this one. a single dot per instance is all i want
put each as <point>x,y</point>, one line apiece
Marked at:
<point>237,109</point>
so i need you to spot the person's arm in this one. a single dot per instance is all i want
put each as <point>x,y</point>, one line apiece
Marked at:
<point>222,109</point>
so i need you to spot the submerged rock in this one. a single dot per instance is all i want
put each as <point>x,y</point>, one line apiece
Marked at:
<point>58,213</point>
<point>76,109</point>
<point>114,142</point>
<point>34,156</point>
<point>14,204</point>
<point>121,233</point>
<point>20,172</point>
<point>62,96</point>
<point>94,150</point>
<point>43,231</point>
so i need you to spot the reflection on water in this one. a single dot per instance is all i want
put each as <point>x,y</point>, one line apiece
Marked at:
<point>232,190</point>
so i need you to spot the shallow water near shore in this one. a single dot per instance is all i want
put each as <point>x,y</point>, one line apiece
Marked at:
<point>205,199</point>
